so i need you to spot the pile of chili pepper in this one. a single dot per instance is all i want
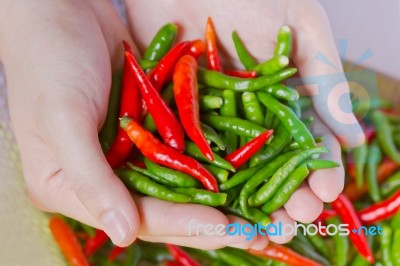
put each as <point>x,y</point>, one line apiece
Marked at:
<point>235,140</point>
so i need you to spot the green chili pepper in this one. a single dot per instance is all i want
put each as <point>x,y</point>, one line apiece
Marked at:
<point>209,102</point>
<point>272,65</point>
<point>341,243</point>
<point>254,216</point>
<point>396,139</point>
<point>133,255</point>
<point>365,105</point>
<point>284,41</point>
<point>289,119</point>
<point>359,261</point>
<point>252,108</point>
<point>384,135</point>
<point>261,175</point>
<point>210,91</point>
<point>232,194</point>
<point>282,92</point>
<point>391,185</point>
<point>202,196</point>
<point>161,43</point>
<point>88,229</point>
<point>109,129</point>
<point>386,243</point>
<point>236,125</point>
<point>395,223</point>
<point>268,119</point>
<point>231,258</point>
<point>193,151</point>
<point>396,247</point>
<point>147,64</point>
<point>360,155</point>
<point>239,177</point>
<point>304,103</point>
<point>178,178</point>
<point>295,108</point>
<point>156,178</point>
<point>374,158</point>
<point>212,136</point>
<point>266,192</point>
<point>220,174</point>
<point>308,121</point>
<point>242,52</point>
<point>307,250</point>
<point>294,145</point>
<point>315,164</point>
<point>319,244</point>
<point>289,186</point>
<point>219,80</point>
<point>229,108</point>
<point>235,256</point>
<point>148,187</point>
<point>154,252</point>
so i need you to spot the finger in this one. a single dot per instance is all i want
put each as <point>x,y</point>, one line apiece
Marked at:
<point>281,218</point>
<point>304,206</point>
<point>327,183</point>
<point>261,243</point>
<point>323,79</point>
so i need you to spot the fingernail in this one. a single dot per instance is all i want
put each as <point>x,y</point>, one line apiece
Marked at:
<point>115,225</point>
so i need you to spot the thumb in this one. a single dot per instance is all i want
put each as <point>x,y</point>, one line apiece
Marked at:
<point>71,133</point>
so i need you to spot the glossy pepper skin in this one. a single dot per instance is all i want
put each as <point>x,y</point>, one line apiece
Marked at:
<point>244,56</point>
<point>344,208</point>
<point>213,60</point>
<point>161,42</point>
<point>164,155</point>
<point>130,105</point>
<point>381,210</point>
<point>181,257</point>
<point>95,242</point>
<point>167,124</point>
<point>187,101</point>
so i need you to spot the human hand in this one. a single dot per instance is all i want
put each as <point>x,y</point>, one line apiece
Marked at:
<point>257,23</point>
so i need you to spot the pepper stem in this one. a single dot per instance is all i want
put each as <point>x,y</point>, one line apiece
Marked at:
<point>124,122</point>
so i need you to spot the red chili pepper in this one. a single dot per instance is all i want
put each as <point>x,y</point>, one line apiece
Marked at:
<point>164,155</point>
<point>213,60</point>
<point>181,257</point>
<point>130,106</point>
<point>162,72</point>
<point>166,122</point>
<point>326,213</point>
<point>385,169</point>
<point>240,156</point>
<point>283,254</point>
<point>172,263</point>
<point>186,93</point>
<point>115,252</point>
<point>344,208</point>
<point>351,169</point>
<point>95,242</point>
<point>241,73</point>
<point>197,48</point>
<point>67,241</point>
<point>381,211</point>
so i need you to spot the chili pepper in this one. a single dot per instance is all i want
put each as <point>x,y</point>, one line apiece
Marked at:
<point>220,174</point>
<point>283,92</point>
<point>278,143</point>
<point>243,154</point>
<point>172,263</point>
<point>396,247</point>
<point>240,177</point>
<point>288,118</point>
<point>212,136</point>
<point>319,244</point>
<point>131,106</point>
<point>370,104</point>
<point>154,252</point>
<point>211,91</point>
<point>326,213</point>
<point>283,254</point>
<point>294,146</point>
<point>209,102</point>
<point>213,60</point>
<point>241,50</point>
<point>380,211</point>
<point>252,108</point>
<point>295,108</point>
<point>146,186</point>
<point>133,255</point>
<point>193,151</point>
<point>315,164</point>
<point>283,193</point>
<point>95,242</point>
<point>385,169</point>
<point>229,108</point>
<point>233,124</point>
<point>284,41</point>
<point>231,195</point>
<point>183,258</point>
<point>161,42</point>
<point>67,241</point>
<point>305,103</point>
<point>162,73</point>
<point>202,196</point>
<point>164,155</point>
<point>262,175</point>
<point>374,158</point>
<point>266,192</point>
<point>348,215</point>
<point>341,243</point>
<point>360,155</point>
<point>384,136</point>
<point>167,124</point>
<point>187,100</point>
<point>272,65</point>
<point>359,261</point>
<point>197,48</point>
<point>391,185</point>
<point>302,245</point>
<point>115,252</point>
<point>241,73</point>
<point>268,118</point>
<point>221,81</point>
<point>386,244</point>
<point>253,215</point>
<point>109,129</point>
<point>147,64</point>
<point>231,258</point>
<point>158,178</point>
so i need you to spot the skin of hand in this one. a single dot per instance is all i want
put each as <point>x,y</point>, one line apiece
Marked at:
<point>59,56</point>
